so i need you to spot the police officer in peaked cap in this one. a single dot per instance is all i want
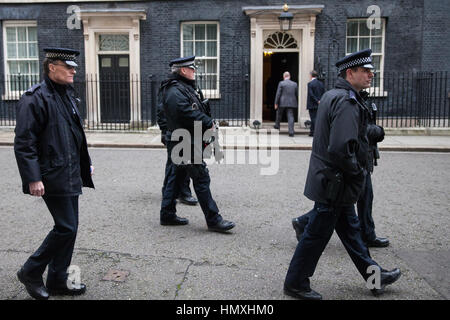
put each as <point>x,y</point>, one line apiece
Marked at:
<point>336,178</point>
<point>54,163</point>
<point>185,107</point>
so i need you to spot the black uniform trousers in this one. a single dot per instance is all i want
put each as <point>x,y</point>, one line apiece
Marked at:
<point>184,189</point>
<point>324,219</point>
<point>364,206</point>
<point>201,181</point>
<point>57,249</point>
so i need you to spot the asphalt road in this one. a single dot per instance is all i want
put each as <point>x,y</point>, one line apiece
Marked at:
<point>119,230</point>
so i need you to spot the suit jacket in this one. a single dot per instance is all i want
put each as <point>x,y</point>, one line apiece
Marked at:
<point>315,93</point>
<point>287,94</point>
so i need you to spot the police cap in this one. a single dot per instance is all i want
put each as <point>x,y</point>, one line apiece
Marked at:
<point>66,55</point>
<point>361,58</point>
<point>188,62</point>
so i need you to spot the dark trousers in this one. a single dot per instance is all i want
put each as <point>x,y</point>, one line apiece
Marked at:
<point>184,180</point>
<point>290,117</point>
<point>312,115</point>
<point>200,177</point>
<point>57,249</point>
<point>364,206</point>
<point>323,221</point>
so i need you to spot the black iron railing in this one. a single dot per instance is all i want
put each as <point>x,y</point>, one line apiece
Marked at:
<point>125,102</point>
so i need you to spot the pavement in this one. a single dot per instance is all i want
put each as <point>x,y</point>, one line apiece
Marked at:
<point>404,139</point>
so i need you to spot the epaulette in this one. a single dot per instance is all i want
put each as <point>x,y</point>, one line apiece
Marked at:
<point>352,96</point>
<point>33,89</point>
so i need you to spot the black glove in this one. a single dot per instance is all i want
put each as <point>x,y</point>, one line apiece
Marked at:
<point>163,139</point>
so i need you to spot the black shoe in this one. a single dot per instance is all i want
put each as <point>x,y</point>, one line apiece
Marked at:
<point>298,227</point>
<point>176,221</point>
<point>35,288</point>
<point>189,200</point>
<point>64,290</point>
<point>222,226</point>
<point>311,134</point>
<point>387,277</point>
<point>291,134</point>
<point>378,243</point>
<point>303,294</point>
<point>275,127</point>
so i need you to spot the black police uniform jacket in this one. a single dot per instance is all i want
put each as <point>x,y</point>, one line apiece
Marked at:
<point>44,145</point>
<point>340,144</point>
<point>180,106</point>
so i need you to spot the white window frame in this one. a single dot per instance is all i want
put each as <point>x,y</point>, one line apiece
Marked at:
<point>208,93</point>
<point>8,93</point>
<point>373,91</point>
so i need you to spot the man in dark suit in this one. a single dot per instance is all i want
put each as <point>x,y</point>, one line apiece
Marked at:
<point>286,99</point>
<point>52,156</point>
<point>315,92</point>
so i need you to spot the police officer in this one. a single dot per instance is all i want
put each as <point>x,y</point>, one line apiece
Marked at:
<point>185,108</point>
<point>185,195</point>
<point>54,163</point>
<point>375,134</point>
<point>336,178</point>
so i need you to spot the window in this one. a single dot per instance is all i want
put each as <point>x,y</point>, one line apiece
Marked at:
<point>359,37</point>
<point>21,57</point>
<point>202,40</point>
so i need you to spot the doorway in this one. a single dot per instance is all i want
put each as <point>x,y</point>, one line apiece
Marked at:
<point>274,65</point>
<point>114,88</point>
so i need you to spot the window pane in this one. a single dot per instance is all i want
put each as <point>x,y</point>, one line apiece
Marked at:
<point>12,50</point>
<point>23,67</point>
<point>363,30</point>
<point>376,62</point>
<point>211,31</point>
<point>377,32</point>
<point>199,32</point>
<point>352,28</point>
<point>22,33</point>
<point>113,42</point>
<point>376,45</point>
<point>352,45</point>
<point>200,63</point>
<point>188,48</point>
<point>211,49</point>
<point>199,48</point>
<point>11,34</point>
<point>22,50</point>
<point>32,50</point>
<point>34,67</point>
<point>363,43</point>
<point>32,34</point>
<point>211,66</point>
<point>13,67</point>
<point>210,82</point>
<point>188,32</point>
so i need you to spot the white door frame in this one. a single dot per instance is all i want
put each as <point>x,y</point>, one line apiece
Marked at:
<point>264,20</point>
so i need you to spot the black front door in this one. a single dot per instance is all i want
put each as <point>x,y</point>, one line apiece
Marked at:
<point>114,88</point>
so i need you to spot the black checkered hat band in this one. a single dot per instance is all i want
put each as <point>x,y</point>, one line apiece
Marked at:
<point>60,56</point>
<point>354,63</point>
